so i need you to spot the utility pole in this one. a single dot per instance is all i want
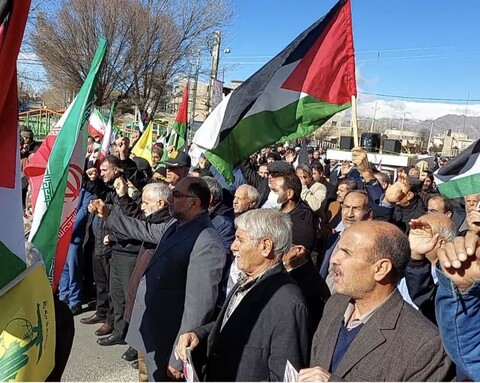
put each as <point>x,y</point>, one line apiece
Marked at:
<point>430,137</point>
<point>373,119</point>
<point>194,90</point>
<point>214,71</point>
<point>465,115</point>
<point>401,129</point>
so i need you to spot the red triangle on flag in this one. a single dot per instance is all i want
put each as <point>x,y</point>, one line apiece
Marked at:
<point>182,115</point>
<point>327,71</point>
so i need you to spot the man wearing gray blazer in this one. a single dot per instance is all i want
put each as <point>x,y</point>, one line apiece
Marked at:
<point>179,288</point>
<point>368,332</point>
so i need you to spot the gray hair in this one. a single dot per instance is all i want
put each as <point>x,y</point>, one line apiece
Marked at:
<point>446,229</point>
<point>270,223</point>
<point>306,169</point>
<point>215,189</point>
<point>252,193</point>
<point>159,191</point>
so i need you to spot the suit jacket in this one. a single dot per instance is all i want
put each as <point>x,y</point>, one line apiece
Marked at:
<point>396,344</point>
<point>182,281</point>
<point>270,326</point>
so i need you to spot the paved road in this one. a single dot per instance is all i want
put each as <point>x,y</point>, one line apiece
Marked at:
<point>90,362</point>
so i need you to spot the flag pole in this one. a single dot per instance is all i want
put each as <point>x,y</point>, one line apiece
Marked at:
<point>354,120</point>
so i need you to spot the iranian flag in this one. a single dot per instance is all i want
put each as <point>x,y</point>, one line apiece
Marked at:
<point>13,17</point>
<point>57,199</point>
<point>96,124</point>
<point>461,175</point>
<point>290,97</point>
<point>178,136</point>
<point>109,136</point>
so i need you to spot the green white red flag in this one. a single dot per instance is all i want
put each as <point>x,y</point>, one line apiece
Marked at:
<point>290,97</point>
<point>57,199</point>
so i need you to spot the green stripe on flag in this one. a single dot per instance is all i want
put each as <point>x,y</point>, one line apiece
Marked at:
<point>254,132</point>
<point>11,265</point>
<point>460,187</point>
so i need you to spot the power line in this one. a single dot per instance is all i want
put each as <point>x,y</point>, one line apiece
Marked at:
<point>419,98</point>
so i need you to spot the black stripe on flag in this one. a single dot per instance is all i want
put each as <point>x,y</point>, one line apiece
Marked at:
<point>461,163</point>
<point>245,95</point>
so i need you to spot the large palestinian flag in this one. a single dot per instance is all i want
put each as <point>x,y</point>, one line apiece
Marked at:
<point>289,97</point>
<point>460,176</point>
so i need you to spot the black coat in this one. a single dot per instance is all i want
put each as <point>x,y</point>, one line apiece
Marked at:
<point>270,326</point>
<point>254,179</point>
<point>404,214</point>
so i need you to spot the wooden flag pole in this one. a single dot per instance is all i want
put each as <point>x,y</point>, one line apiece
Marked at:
<point>354,120</point>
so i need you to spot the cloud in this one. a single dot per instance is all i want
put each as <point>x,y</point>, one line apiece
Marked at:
<point>413,110</point>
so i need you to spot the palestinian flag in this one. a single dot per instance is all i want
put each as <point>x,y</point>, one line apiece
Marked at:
<point>460,176</point>
<point>289,97</point>
<point>13,17</point>
<point>57,200</point>
<point>178,136</point>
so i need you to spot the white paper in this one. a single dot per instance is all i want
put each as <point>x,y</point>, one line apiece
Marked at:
<point>188,369</point>
<point>291,375</point>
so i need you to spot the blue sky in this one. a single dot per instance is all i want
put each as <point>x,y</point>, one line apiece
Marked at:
<point>418,48</point>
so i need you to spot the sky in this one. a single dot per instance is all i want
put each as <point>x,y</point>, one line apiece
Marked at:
<point>409,48</point>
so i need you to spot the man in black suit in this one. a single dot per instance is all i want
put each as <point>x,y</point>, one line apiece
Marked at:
<point>264,321</point>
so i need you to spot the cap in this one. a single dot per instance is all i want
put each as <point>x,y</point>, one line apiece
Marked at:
<point>280,167</point>
<point>273,155</point>
<point>415,185</point>
<point>177,159</point>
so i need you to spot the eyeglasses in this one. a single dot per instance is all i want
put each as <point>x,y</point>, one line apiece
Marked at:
<point>177,194</point>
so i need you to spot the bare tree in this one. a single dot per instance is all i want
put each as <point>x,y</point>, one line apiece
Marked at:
<point>150,41</point>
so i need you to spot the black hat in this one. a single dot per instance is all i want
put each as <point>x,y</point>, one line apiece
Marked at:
<point>177,159</point>
<point>415,185</point>
<point>280,167</point>
<point>273,155</point>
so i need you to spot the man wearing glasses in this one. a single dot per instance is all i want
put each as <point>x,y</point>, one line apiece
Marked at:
<point>179,288</point>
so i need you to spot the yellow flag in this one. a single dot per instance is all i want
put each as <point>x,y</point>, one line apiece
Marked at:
<point>143,147</point>
<point>27,327</point>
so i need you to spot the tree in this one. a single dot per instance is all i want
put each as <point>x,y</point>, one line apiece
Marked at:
<point>150,42</point>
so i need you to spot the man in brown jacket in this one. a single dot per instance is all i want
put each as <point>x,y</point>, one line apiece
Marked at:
<point>368,332</point>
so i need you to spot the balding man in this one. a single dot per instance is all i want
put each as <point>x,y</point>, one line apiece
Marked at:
<point>427,234</point>
<point>355,208</point>
<point>368,332</point>
<point>246,198</point>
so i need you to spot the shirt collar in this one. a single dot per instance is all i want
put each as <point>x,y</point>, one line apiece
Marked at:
<point>351,324</point>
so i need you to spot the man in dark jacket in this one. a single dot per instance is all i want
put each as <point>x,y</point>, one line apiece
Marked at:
<point>268,197</point>
<point>289,188</point>
<point>264,322</point>
<point>111,168</point>
<point>411,207</point>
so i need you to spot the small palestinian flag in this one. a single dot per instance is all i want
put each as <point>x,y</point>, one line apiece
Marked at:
<point>460,176</point>
<point>290,97</point>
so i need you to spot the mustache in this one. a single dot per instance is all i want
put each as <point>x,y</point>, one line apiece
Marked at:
<point>336,270</point>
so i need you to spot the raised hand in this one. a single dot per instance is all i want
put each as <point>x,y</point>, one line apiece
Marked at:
<point>398,191</point>
<point>421,238</point>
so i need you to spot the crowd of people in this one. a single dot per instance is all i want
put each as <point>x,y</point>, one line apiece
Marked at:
<point>336,268</point>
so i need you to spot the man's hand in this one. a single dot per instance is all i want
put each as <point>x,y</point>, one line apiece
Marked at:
<point>190,340</point>
<point>122,145</point>
<point>98,207</point>
<point>106,240</point>
<point>460,260</point>
<point>315,374</point>
<point>421,238</point>
<point>173,373</point>
<point>92,174</point>
<point>397,191</point>
<point>360,159</point>
<point>473,221</point>
<point>120,186</point>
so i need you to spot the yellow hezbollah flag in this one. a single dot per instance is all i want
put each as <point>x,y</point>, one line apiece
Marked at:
<point>143,148</point>
<point>27,327</point>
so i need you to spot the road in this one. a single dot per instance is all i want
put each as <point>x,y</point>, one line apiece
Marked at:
<point>90,362</point>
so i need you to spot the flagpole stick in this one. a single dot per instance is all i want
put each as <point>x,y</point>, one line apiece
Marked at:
<point>354,120</point>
